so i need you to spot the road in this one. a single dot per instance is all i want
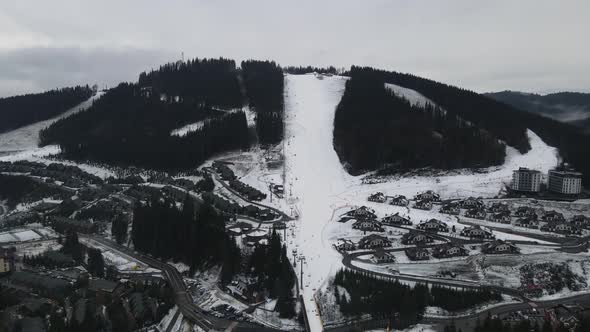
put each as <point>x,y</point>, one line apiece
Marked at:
<point>284,216</point>
<point>182,298</point>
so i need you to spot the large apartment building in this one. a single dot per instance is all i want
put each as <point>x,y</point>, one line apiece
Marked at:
<point>525,179</point>
<point>565,181</point>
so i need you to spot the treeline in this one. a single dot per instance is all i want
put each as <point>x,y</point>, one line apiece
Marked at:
<point>125,128</point>
<point>193,236</point>
<point>22,110</point>
<point>525,325</point>
<point>264,84</point>
<point>299,70</point>
<point>17,188</point>
<point>212,82</point>
<point>368,295</point>
<point>501,120</point>
<point>374,128</point>
<point>275,276</point>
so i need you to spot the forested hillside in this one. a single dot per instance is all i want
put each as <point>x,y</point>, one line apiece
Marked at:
<point>263,81</point>
<point>22,110</point>
<point>131,124</point>
<point>374,128</point>
<point>501,120</point>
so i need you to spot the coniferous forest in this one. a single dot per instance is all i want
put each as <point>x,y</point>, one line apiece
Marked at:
<point>195,236</point>
<point>22,110</point>
<point>386,299</point>
<point>132,123</point>
<point>501,120</point>
<point>374,128</point>
<point>263,81</point>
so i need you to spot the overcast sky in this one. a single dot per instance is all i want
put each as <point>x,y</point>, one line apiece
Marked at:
<point>537,45</point>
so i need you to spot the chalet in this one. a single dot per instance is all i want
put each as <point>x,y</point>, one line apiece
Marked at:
<point>498,207</point>
<point>471,203</point>
<point>550,216</point>
<point>373,241</point>
<point>400,200</point>
<point>256,237</point>
<point>378,197</point>
<point>427,195</point>
<point>477,213</point>
<point>344,245</point>
<point>434,225</point>
<point>362,213</point>
<point>476,232</point>
<point>499,247</point>
<point>396,219</point>
<point>380,257</point>
<point>560,227</point>
<point>527,222</point>
<point>525,211</point>
<point>581,221</point>
<point>450,208</point>
<point>447,250</point>
<point>501,217</point>
<point>417,254</point>
<point>423,205</point>
<point>368,225</point>
<point>416,238</point>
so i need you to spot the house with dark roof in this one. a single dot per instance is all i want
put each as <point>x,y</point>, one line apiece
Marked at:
<point>581,221</point>
<point>476,213</point>
<point>417,238</point>
<point>433,225</point>
<point>471,203</point>
<point>377,197</point>
<point>476,232</point>
<point>450,208</point>
<point>374,241</point>
<point>527,222</point>
<point>381,257</point>
<point>525,211</point>
<point>427,195</point>
<point>501,217</point>
<point>447,250</point>
<point>396,219</point>
<point>362,212</point>
<point>344,245</point>
<point>417,254</point>
<point>560,227</point>
<point>423,205</point>
<point>498,207</point>
<point>553,216</point>
<point>368,225</point>
<point>400,200</point>
<point>499,247</point>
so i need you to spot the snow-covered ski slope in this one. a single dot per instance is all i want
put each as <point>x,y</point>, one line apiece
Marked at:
<point>315,175</point>
<point>322,189</point>
<point>27,137</point>
<point>414,97</point>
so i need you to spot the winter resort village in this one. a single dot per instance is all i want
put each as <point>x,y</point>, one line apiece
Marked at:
<point>281,237</point>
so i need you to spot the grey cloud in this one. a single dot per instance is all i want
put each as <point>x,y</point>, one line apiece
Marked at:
<point>42,68</point>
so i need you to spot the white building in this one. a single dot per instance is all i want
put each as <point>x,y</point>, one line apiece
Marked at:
<point>565,182</point>
<point>525,179</point>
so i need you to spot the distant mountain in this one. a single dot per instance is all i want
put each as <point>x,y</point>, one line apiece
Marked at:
<point>568,107</point>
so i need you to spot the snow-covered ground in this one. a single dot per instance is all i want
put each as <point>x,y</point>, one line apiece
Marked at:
<point>27,137</point>
<point>315,174</point>
<point>414,97</point>
<point>189,128</point>
<point>322,189</point>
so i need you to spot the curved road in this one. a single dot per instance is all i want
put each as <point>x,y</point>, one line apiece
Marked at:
<point>182,298</point>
